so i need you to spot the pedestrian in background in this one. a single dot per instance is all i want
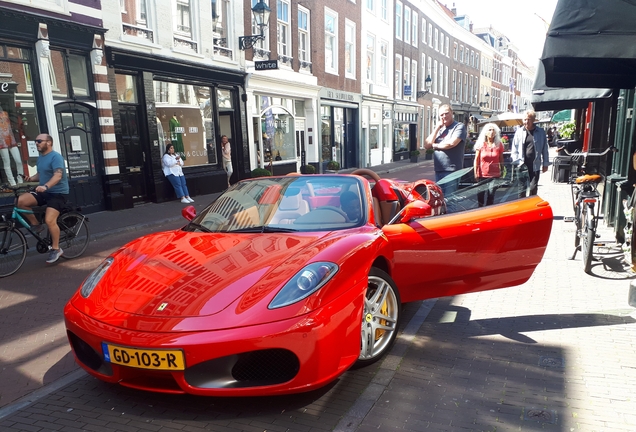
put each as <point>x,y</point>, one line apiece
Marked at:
<point>530,150</point>
<point>172,164</point>
<point>227,157</point>
<point>449,142</point>
<point>489,162</point>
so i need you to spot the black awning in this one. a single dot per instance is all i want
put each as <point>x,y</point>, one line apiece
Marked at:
<point>546,98</point>
<point>591,43</point>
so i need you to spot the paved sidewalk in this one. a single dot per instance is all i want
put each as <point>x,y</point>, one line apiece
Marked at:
<point>556,353</point>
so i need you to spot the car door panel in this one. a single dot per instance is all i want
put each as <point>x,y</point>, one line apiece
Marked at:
<point>477,250</point>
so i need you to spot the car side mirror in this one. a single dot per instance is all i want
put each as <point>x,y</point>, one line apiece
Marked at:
<point>415,210</point>
<point>189,212</point>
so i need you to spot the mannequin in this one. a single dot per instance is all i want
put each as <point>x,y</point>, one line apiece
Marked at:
<point>9,146</point>
<point>177,138</point>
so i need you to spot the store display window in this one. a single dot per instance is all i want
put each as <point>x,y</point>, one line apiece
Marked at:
<point>18,116</point>
<point>277,129</point>
<point>185,119</point>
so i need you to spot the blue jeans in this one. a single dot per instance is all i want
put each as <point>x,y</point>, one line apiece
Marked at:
<point>179,185</point>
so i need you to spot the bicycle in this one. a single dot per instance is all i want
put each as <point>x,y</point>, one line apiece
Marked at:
<point>586,205</point>
<point>74,234</point>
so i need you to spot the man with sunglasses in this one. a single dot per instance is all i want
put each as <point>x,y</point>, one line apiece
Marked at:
<point>51,191</point>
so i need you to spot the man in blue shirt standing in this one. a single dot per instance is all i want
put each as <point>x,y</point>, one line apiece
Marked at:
<point>449,141</point>
<point>51,191</point>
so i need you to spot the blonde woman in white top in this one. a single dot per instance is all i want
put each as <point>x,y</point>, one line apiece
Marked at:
<point>172,164</point>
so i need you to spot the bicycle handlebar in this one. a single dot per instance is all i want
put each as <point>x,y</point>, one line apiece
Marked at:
<point>586,154</point>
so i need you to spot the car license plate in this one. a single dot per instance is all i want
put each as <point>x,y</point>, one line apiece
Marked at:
<point>144,358</point>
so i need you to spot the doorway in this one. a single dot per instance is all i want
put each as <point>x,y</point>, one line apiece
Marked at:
<point>134,152</point>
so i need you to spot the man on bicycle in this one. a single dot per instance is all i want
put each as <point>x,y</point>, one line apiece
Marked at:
<point>51,191</point>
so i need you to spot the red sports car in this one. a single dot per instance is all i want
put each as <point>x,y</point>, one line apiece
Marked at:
<point>283,283</point>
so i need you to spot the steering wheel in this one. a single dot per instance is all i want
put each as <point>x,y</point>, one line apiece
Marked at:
<point>334,209</point>
<point>366,172</point>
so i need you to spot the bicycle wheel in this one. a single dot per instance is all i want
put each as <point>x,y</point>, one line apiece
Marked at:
<point>588,232</point>
<point>13,249</point>
<point>74,236</point>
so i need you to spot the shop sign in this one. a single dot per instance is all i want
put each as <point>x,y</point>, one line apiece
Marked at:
<point>407,90</point>
<point>266,65</point>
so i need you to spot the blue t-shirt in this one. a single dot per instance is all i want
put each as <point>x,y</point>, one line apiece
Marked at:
<point>46,166</point>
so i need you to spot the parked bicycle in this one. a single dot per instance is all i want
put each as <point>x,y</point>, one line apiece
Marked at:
<point>74,233</point>
<point>586,204</point>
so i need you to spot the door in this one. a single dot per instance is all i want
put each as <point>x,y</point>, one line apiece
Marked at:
<point>80,149</point>
<point>134,153</point>
<point>301,155</point>
<point>475,246</point>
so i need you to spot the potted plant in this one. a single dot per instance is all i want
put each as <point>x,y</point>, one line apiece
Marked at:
<point>260,172</point>
<point>333,165</point>
<point>415,154</point>
<point>429,154</point>
<point>307,169</point>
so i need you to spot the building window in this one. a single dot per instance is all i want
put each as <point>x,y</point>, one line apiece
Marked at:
<point>282,15</point>
<point>398,76</point>
<point>350,49</point>
<point>370,57</point>
<point>371,5</point>
<point>384,62</point>
<point>455,49</point>
<point>182,23</point>
<point>134,18</point>
<point>69,76</point>
<point>461,54</point>
<point>398,20</point>
<point>434,77</point>
<point>261,48</point>
<point>406,78</point>
<point>454,97</point>
<point>407,24</point>
<point>430,35</point>
<point>423,31</point>
<point>436,40</point>
<point>384,9</point>
<point>221,23</point>
<point>423,74</point>
<point>414,27</point>
<point>413,80</point>
<point>446,81</point>
<point>303,36</point>
<point>331,41</point>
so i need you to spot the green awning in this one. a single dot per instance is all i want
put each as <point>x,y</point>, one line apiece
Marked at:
<point>562,116</point>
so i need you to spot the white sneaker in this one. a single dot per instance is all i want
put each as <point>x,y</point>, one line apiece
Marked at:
<point>185,200</point>
<point>190,199</point>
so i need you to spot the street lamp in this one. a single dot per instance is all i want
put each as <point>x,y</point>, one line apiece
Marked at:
<point>487,102</point>
<point>260,11</point>
<point>427,87</point>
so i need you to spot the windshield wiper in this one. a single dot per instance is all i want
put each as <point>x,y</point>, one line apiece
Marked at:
<point>263,229</point>
<point>199,227</point>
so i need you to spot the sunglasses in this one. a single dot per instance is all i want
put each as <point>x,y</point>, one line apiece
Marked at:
<point>40,141</point>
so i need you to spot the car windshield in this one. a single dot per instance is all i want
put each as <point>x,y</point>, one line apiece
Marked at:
<point>462,192</point>
<point>287,204</point>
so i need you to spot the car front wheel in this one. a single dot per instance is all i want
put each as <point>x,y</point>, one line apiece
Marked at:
<point>380,317</point>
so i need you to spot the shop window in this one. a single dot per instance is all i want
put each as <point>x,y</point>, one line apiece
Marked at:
<point>278,131</point>
<point>325,132</point>
<point>185,116</point>
<point>373,137</point>
<point>69,76</point>
<point>18,116</point>
<point>401,138</point>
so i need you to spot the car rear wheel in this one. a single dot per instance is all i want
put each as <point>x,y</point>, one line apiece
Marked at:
<point>380,317</point>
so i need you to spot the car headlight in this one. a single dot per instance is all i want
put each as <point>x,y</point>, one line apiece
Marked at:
<point>304,283</point>
<point>93,279</point>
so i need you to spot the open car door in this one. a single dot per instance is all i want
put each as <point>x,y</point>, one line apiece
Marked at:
<point>475,246</point>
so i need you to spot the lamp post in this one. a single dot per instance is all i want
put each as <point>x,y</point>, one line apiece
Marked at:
<point>427,87</point>
<point>487,102</point>
<point>260,11</point>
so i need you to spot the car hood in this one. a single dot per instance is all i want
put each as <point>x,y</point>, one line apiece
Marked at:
<point>181,274</point>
